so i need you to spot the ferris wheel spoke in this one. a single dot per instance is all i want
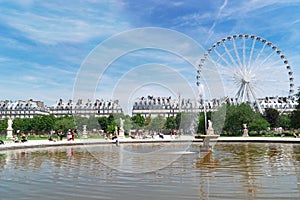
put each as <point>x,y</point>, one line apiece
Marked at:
<point>236,52</point>
<point>221,57</point>
<point>244,52</point>
<point>259,54</point>
<point>220,68</point>
<point>229,54</point>
<point>274,66</point>
<point>256,100</point>
<point>251,53</point>
<point>265,60</point>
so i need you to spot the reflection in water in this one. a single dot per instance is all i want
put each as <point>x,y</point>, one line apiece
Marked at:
<point>231,171</point>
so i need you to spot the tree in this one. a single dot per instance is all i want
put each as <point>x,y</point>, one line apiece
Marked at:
<point>201,124</point>
<point>238,115</point>
<point>138,121</point>
<point>187,122</point>
<point>178,120</point>
<point>64,123</point>
<point>157,123</point>
<point>170,123</point>
<point>284,121</point>
<point>92,123</point>
<point>147,121</point>
<point>3,125</point>
<point>295,115</point>
<point>272,116</point>
<point>258,124</point>
<point>103,122</point>
<point>127,123</point>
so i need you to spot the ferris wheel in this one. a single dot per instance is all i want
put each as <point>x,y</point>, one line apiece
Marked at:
<point>250,67</point>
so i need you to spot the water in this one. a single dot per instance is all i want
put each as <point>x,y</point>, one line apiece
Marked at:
<point>232,171</point>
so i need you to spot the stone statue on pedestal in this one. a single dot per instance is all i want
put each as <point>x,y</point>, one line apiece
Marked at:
<point>9,129</point>
<point>210,130</point>
<point>84,133</point>
<point>245,131</point>
<point>121,131</point>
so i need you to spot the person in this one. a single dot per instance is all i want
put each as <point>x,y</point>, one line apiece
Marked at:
<point>51,139</point>
<point>295,134</point>
<point>72,135</point>
<point>15,139</point>
<point>23,138</point>
<point>69,136</point>
<point>60,134</point>
<point>161,135</point>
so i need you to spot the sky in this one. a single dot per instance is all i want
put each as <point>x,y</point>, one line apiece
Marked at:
<point>48,46</point>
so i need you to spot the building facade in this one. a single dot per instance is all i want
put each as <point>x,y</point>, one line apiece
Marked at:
<point>166,106</point>
<point>85,109</point>
<point>30,108</point>
<point>22,109</point>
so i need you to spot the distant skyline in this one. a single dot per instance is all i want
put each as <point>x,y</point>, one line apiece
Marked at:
<point>44,43</point>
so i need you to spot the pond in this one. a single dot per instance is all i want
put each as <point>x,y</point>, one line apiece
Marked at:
<point>152,171</point>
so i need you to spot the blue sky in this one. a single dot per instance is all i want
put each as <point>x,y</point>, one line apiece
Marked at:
<point>44,43</point>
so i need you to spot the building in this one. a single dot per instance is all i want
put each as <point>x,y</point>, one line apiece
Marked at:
<point>30,108</point>
<point>166,106</point>
<point>22,109</point>
<point>85,109</point>
<point>282,104</point>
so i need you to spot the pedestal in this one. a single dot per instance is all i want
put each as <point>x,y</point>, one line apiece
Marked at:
<point>121,134</point>
<point>245,133</point>
<point>210,131</point>
<point>84,133</point>
<point>9,133</point>
<point>206,140</point>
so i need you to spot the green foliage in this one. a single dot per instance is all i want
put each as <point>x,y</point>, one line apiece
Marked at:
<point>238,115</point>
<point>201,124</point>
<point>147,121</point>
<point>3,125</point>
<point>170,123</point>
<point>157,123</point>
<point>272,116</point>
<point>103,123</point>
<point>178,120</point>
<point>64,123</point>
<point>127,123</point>
<point>295,119</point>
<point>138,121</point>
<point>187,122</point>
<point>284,121</point>
<point>111,128</point>
<point>258,124</point>
<point>295,115</point>
<point>218,117</point>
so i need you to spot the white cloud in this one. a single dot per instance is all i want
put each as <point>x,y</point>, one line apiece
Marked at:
<point>60,23</point>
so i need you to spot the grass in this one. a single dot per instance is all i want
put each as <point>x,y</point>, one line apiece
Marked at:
<point>45,137</point>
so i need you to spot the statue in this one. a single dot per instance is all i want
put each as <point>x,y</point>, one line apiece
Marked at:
<point>122,124</point>
<point>245,131</point>
<point>9,123</point>
<point>209,124</point>
<point>9,128</point>
<point>210,130</point>
<point>121,132</point>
